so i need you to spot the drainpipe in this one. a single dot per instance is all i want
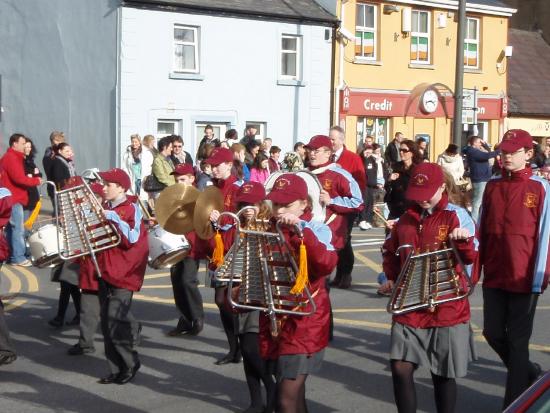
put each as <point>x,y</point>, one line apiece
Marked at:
<point>340,67</point>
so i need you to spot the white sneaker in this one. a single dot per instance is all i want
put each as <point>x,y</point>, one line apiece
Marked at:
<point>364,225</point>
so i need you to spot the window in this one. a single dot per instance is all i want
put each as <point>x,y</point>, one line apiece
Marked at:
<point>365,32</point>
<point>261,128</point>
<point>290,57</point>
<point>420,37</point>
<point>186,49</point>
<point>471,44</point>
<point>167,127</point>
<point>219,129</point>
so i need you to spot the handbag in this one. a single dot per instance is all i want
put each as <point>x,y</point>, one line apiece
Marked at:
<point>152,184</point>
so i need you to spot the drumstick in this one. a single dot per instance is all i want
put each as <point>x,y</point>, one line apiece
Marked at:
<point>381,216</point>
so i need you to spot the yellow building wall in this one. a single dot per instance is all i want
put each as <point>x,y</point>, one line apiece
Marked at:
<point>393,71</point>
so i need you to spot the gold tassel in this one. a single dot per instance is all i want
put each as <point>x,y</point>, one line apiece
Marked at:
<point>217,255</point>
<point>302,276</point>
<point>30,221</point>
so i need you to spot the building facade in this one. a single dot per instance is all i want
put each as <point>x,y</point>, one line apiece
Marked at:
<point>184,67</point>
<point>396,68</point>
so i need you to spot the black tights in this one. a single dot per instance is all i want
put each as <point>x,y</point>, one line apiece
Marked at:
<point>230,321</point>
<point>405,394</point>
<point>292,395</point>
<point>67,291</point>
<point>256,369</point>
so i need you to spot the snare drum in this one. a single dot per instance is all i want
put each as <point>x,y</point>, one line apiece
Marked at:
<point>165,248</point>
<point>43,246</point>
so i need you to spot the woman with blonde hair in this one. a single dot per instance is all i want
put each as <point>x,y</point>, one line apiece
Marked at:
<point>131,162</point>
<point>148,152</point>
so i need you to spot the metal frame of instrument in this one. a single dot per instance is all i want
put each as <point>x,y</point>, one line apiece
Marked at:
<point>84,229</point>
<point>429,287</point>
<point>270,266</point>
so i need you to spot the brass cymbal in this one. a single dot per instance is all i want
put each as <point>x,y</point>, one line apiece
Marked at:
<point>210,199</point>
<point>174,208</point>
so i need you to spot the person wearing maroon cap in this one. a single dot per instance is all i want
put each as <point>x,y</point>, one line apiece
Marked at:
<point>298,350</point>
<point>184,274</point>
<point>252,194</point>
<point>122,272</point>
<point>439,338</point>
<point>221,160</point>
<point>514,231</point>
<point>343,199</point>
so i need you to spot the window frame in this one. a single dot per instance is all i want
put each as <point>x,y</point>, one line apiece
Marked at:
<point>427,35</point>
<point>195,44</point>
<point>476,41</point>
<point>366,29</point>
<point>298,52</point>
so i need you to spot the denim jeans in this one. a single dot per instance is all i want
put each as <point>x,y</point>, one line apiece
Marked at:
<point>477,197</point>
<point>16,234</point>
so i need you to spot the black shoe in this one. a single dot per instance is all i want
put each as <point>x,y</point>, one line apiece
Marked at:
<point>196,328</point>
<point>534,372</point>
<point>77,350</point>
<point>255,409</point>
<point>125,376</point>
<point>74,322</point>
<point>56,322</point>
<point>229,358</point>
<point>336,281</point>
<point>182,327</point>
<point>345,283</point>
<point>111,378</point>
<point>7,358</point>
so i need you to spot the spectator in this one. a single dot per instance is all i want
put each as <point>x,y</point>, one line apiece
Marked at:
<point>63,165</point>
<point>208,138</point>
<point>204,177</point>
<point>31,170</point>
<point>375,173</point>
<point>480,171</point>
<point>240,168</point>
<point>231,137</point>
<point>252,149</point>
<point>452,163</point>
<point>423,148</point>
<point>131,162</point>
<point>148,153</point>
<point>56,138</point>
<point>392,153</point>
<point>368,141</point>
<point>274,154</point>
<point>16,181</point>
<point>400,176</point>
<point>178,154</point>
<point>266,146</point>
<point>294,161</point>
<point>162,164</point>
<point>348,160</point>
<point>249,135</point>
<point>260,169</point>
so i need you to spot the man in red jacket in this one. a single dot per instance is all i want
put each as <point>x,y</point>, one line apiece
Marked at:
<point>515,232</point>
<point>14,179</point>
<point>122,272</point>
<point>353,164</point>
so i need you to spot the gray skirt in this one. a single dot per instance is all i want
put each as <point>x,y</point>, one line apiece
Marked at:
<point>291,365</point>
<point>446,350</point>
<point>249,322</point>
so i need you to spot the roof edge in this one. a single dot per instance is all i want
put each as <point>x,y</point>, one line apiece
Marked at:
<point>194,9</point>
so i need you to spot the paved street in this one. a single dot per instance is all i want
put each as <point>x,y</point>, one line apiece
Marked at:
<point>179,375</point>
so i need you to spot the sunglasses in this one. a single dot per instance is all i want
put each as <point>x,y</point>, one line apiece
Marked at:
<point>404,150</point>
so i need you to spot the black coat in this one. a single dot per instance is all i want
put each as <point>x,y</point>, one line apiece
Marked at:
<point>392,153</point>
<point>60,173</point>
<point>395,190</point>
<point>188,159</point>
<point>34,195</point>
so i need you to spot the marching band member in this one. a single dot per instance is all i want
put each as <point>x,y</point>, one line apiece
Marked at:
<point>184,275</point>
<point>122,272</point>
<point>440,338</point>
<point>7,352</point>
<point>341,195</point>
<point>222,163</point>
<point>299,347</point>
<point>255,368</point>
<point>515,216</point>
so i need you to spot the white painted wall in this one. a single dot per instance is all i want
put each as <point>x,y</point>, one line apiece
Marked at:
<point>240,61</point>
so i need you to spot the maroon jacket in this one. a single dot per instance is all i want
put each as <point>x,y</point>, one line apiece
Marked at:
<point>353,163</point>
<point>346,198</point>
<point>305,334</point>
<point>6,201</point>
<point>87,278</point>
<point>14,178</point>
<point>515,232</point>
<point>124,266</point>
<point>431,232</point>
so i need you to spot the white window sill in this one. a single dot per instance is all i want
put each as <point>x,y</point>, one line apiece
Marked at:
<point>359,61</point>
<point>472,70</point>
<point>291,82</point>
<point>421,66</point>
<point>185,76</point>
